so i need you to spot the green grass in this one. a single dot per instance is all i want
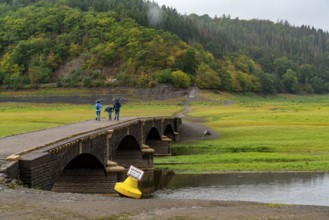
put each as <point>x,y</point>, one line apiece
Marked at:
<point>17,118</point>
<point>281,133</point>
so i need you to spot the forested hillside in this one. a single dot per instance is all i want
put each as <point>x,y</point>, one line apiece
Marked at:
<point>138,43</point>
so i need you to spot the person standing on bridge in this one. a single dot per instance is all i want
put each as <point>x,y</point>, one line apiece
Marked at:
<point>98,107</point>
<point>116,107</point>
<point>109,110</point>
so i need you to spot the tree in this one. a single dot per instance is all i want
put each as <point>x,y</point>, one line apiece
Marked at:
<point>318,84</point>
<point>267,81</point>
<point>226,73</point>
<point>282,64</point>
<point>164,76</point>
<point>34,75</point>
<point>207,78</point>
<point>181,79</point>
<point>306,72</point>
<point>16,79</point>
<point>247,82</point>
<point>52,60</point>
<point>290,81</point>
<point>190,62</point>
<point>2,77</point>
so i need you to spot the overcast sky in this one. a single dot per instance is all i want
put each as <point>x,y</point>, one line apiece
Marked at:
<point>298,12</point>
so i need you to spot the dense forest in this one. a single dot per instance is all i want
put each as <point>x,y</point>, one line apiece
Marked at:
<point>139,43</point>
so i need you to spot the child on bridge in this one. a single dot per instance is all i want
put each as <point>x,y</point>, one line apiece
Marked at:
<point>109,110</point>
<point>98,107</point>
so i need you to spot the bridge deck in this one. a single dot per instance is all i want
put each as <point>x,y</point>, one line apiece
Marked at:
<point>27,141</point>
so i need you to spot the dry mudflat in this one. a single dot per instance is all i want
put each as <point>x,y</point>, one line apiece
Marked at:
<point>25,203</point>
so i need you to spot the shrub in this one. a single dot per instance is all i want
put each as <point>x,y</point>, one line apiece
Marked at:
<point>181,79</point>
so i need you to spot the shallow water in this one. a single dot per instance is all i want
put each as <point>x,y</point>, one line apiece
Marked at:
<point>283,188</point>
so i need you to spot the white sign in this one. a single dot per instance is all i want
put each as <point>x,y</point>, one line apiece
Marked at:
<point>135,173</point>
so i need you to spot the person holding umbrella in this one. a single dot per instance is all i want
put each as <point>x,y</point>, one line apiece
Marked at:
<point>98,107</point>
<point>109,110</point>
<point>116,107</point>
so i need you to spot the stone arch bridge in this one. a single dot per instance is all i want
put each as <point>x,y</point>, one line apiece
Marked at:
<point>90,160</point>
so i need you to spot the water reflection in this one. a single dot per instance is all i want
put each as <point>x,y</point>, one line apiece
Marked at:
<point>287,188</point>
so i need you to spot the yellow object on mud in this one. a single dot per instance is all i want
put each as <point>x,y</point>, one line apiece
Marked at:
<point>129,188</point>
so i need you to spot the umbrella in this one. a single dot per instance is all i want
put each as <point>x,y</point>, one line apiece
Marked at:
<point>107,109</point>
<point>119,98</point>
<point>99,100</point>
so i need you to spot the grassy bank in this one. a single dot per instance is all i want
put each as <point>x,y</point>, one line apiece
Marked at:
<point>22,117</point>
<point>281,133</point>
<point>19,118</point>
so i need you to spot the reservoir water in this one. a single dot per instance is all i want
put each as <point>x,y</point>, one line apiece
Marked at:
<point>278,188</point>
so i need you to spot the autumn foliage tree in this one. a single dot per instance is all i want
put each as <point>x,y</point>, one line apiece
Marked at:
<point>123,40</point>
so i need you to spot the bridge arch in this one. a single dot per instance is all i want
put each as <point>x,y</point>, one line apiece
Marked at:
<point>169,132</point>
<point>128,153</point>
<point>85,161</point>
<point>83,174</point>
<point>159,142</point>
<point>153,134</point>
<point>128,143</point>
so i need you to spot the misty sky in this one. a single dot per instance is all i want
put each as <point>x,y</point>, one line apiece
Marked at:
<point>298,12</point>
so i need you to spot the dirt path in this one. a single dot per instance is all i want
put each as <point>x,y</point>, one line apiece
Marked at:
<point>193,128</point>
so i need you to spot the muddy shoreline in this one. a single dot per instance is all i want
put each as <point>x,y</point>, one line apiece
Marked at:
<point>24,203</point>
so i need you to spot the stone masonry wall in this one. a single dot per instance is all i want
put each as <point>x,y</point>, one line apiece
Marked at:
<point>35,170</point>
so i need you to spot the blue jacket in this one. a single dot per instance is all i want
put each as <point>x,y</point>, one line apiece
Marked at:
<point>98,107</point>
